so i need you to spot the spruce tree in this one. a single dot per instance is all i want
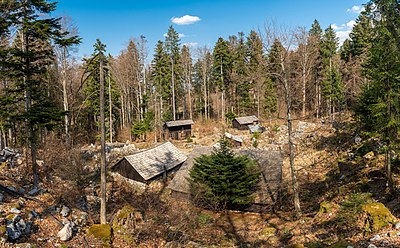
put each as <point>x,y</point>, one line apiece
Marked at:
<point>379,105</point>
<point>25,64</point>
<point>223,179</point>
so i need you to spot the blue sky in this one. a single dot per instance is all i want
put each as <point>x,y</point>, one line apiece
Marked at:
<point>115,22</point>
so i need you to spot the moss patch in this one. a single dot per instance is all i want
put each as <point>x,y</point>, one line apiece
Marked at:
<point>378,217</point>
<point>325,207</point>
<point>125,212</point>
<point>3,231</point>
<point>101,231</point>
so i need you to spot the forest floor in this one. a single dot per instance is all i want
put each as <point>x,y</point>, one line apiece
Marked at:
<point>339,173</point>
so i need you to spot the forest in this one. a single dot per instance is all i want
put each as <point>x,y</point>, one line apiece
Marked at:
<point>55,108</point>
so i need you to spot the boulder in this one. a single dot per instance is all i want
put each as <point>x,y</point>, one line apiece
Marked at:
<point>15,211</point>
<point>65,233</point>
<point>377,217</point>
<point>65,211</point>
<point>12,232</point>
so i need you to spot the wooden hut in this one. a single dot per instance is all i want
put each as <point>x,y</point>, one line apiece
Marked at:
<point>150,164</point>
<point>178,130</point>
<point>242,123</point>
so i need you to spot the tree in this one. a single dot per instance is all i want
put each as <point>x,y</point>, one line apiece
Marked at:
<point>221,69</point>
<point>223,179</point>
<point>161,79</point>
<point>26,66</point>
<point>332,89</point>
<point>315,40</point>
<point>172,44</point>
<point>378,108</point>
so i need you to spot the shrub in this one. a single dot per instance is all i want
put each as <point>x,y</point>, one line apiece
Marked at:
<point>222,179</point>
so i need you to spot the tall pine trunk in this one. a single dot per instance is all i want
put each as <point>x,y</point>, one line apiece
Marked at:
<point>103,182</point>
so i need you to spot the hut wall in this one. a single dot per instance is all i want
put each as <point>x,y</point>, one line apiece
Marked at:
<point>237,125</point>
<point>125,169</point>
<point>179,132</point>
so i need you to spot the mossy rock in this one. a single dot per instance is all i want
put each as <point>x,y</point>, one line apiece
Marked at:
<point>314,245</point>
<point>267,232</point>
<point>127,219</point>
<point>340,244</point>
<point>101,231</point>
<point>296,246</point>
<point>325,207</point>
<point>10,217</point>
<point>377,217</point>
<point>3,231</point>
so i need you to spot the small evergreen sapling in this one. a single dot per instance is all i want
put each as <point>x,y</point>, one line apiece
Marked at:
<point>223,179</point>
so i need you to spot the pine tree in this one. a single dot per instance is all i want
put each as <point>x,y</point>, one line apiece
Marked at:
<point>378,109</point>
<point>26,66</point>
<point>221,69</point>
<point>332,89</point>
<point>223,179</point>
<point>172,49</point>
<point>315,40</point>
<point>257,76</point>
<point>161,76</point>
<point>92,85</point>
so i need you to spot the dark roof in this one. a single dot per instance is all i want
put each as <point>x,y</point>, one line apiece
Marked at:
<point>246,119</point>
<point>256,128</point>
<point>178,123</point>
<point>179,183</point>
<point>151,163</point>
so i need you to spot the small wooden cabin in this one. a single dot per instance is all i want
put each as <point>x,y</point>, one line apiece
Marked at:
<point>178,130</point>
<point>151,164</point>
<point>235,141</point>
<point>242,123</point>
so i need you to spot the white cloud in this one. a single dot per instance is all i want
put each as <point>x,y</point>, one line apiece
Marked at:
<point>351,24</point>
<point>356,9</point>
<point>343,30</point>
<point>179,35</point>
<point>336,27</point>
<point>190,44</point>
<point>185,20</point>
<point>343,35</point>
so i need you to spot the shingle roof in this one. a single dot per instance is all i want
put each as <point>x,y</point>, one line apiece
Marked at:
<point>246,119</point>
<point>234,137</point>
<point>179,183</point>
<point>154,161</point>
<point>179,123</point>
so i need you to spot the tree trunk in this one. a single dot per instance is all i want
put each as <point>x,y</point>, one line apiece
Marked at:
<point>103,219</point>
<point>110,107</point>
<point>296,198</point>
<point>173,92</point>
<point>65,93</point>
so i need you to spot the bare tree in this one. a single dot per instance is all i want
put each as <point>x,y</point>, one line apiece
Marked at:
<point>287,39</point>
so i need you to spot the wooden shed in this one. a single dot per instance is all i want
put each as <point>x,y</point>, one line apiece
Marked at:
<point>150,164</point>
<point>178,130</point>
<point>242,123</point>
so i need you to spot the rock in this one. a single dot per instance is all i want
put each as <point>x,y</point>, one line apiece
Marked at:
<point>101,231</point>
<point>12,188</point>
<point>371,246</point>
<point>369,155</point>
<point>375,238</point>
<point>397,226</point>
<point>23,245</point>
<point>1,197</point>
<point>15,211</point>
<point>21,225</point>
<point>65,211</point>
<point>65,233</point>
<point>357,139</point>
<point>12,232</point>
<point>33,215</point>
<point>377,216</point>
<point>34,191</point>
<point>349,246</point>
